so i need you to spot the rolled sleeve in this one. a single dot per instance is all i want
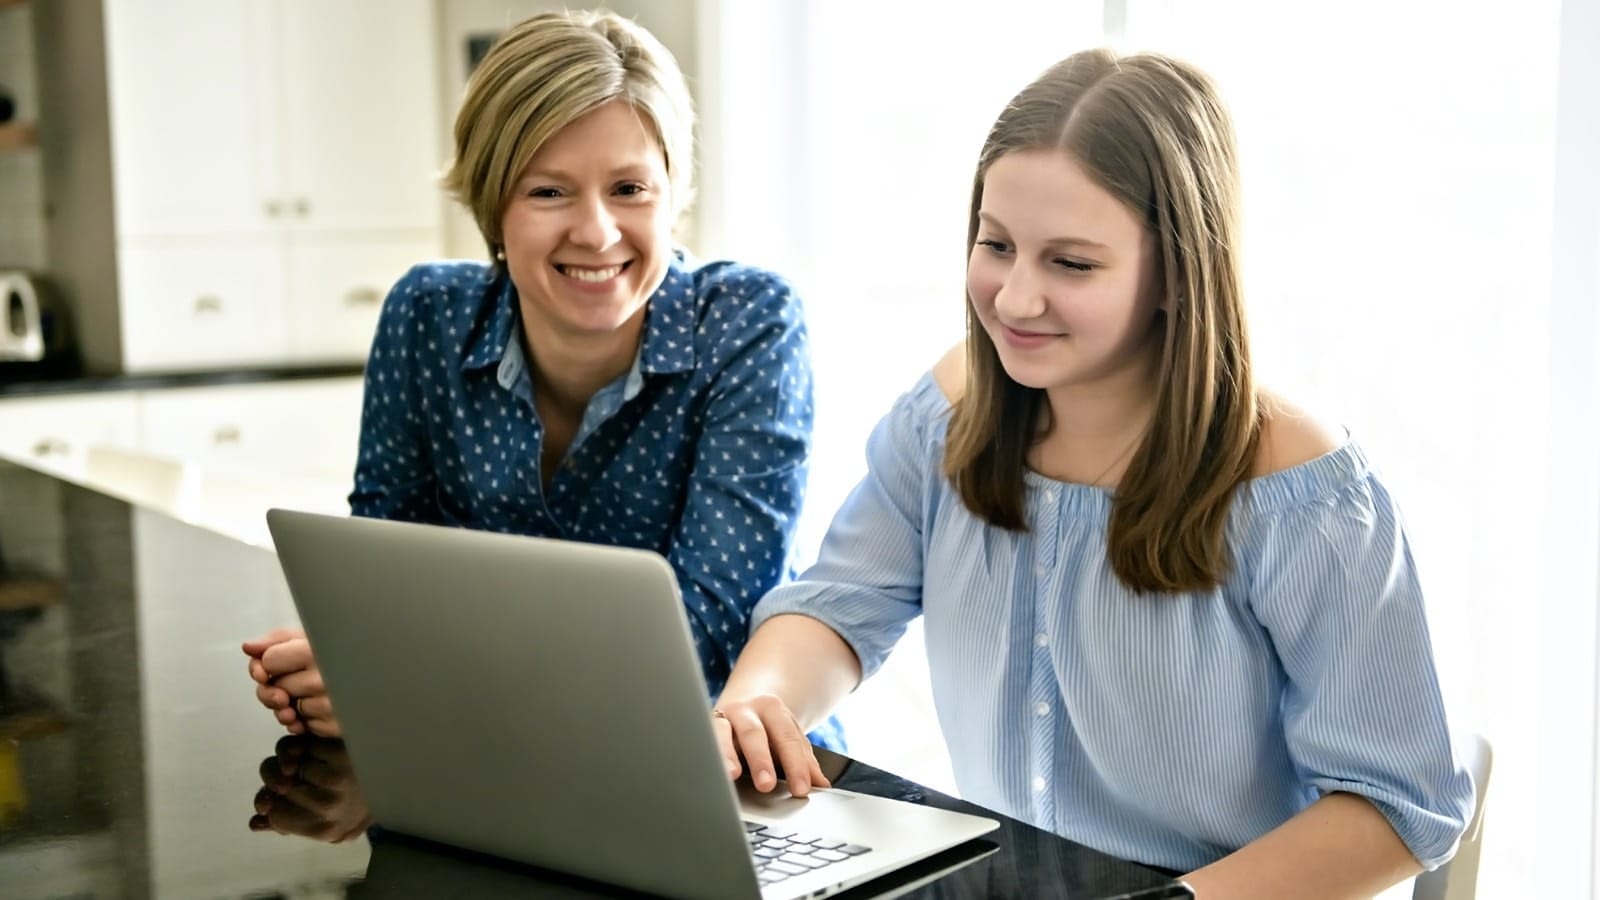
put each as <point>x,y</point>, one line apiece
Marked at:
<point>867,582</point>
<point>1363,713</point>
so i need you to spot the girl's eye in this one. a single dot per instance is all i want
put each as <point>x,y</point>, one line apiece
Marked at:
<point>631,189</point>
<point>545,193</point>
<point>995,246</point>
<point>1074,266</point>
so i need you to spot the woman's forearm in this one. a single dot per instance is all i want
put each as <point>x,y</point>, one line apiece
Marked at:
<point>801,661</point>
<point>1338,847</point>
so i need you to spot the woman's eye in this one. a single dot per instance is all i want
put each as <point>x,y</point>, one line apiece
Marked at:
<point>995,246</point>
<point>545,193</point>
<point>1074,266</point>
<point>631,189</point>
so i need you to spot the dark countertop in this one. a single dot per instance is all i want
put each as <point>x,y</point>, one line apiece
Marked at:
<point>134,761</point>
<point>13,383</point>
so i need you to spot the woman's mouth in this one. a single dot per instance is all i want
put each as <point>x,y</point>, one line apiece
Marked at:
<point>592,274</point>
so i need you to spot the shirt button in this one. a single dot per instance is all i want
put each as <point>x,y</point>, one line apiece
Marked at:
<point>1041,640</point>
<point>1038,782</point>
<point>1041,709</point>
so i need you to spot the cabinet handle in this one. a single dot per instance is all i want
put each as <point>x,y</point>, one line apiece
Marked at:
<point>363,296</point>
<point>210,303</point>
<point>227,434</point>
<point>274,209</point>
<point>51,447</point>
<point>302,207</point>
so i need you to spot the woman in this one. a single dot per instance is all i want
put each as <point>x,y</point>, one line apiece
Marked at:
<point>591,383</point>
<point>1168,614</point>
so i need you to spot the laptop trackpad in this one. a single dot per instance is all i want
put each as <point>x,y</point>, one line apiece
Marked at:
<point>778,803</point>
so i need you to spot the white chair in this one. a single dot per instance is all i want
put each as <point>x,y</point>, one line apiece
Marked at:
<point>1458,878</point>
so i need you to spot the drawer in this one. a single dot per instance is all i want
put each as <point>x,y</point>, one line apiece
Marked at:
<point>201,304</point>
<point>55,432</point>
<point>295,428</point>
<point>337,288</point>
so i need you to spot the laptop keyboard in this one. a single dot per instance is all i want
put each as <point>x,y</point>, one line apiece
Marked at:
<point>781,853</point>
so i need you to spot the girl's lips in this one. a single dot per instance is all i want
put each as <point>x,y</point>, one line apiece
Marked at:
<point>1026,340</point>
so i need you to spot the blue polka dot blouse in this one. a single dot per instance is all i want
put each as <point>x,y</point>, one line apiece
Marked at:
<point>698,453</point>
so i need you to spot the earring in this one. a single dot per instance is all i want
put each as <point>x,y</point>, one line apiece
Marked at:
<point>500,254</point>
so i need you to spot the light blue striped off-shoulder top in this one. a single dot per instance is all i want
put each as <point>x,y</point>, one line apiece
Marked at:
<point>1166,729</point>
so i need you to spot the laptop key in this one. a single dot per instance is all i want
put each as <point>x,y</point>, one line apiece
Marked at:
<point>853,849</point>
<point>827,844</point>
<point>795,859</point>
<point>829,855</point>
<point>771,876</point>
<point>786,868</point>
<point>752,827</point>
<point>775,845</point>
<point>779,832</point>
<point>769,853</point>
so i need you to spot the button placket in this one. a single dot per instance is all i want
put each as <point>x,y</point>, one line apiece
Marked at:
<point>1042,686</point>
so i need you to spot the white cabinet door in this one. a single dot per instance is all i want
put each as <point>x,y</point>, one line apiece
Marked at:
<point>337,287</point>
<point>54,432</point>
<point>244,135</point>
<point>198,303</point>
<point>293,427</point>
<point>359,94</point>
<point>194,148</point>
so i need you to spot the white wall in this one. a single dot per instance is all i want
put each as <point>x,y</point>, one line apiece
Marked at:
<point>1421,229</point>
<point>1567,693</point>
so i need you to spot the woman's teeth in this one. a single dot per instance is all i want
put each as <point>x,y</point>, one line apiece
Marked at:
<point>592,275</point>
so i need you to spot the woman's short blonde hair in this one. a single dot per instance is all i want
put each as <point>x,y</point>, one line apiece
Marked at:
<point>542,75</point>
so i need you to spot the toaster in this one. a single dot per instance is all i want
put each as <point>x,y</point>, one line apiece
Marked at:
<point>33,323</point>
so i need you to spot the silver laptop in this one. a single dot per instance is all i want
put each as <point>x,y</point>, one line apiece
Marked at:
<point>541,700</point>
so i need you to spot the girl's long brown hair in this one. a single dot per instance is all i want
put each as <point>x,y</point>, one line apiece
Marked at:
<point>1151,131</point>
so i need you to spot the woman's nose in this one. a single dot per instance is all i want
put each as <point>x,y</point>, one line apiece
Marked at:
<point>595,227</point>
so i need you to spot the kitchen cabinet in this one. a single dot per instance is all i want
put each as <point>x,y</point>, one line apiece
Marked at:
<point>270,170</point>
<point>55,432</point>
<point>336,288</point>
<point>190,116</point>
<point>260,116</point>
<point>299,429</point>
<point>203,304</point>
<point>306,428</point>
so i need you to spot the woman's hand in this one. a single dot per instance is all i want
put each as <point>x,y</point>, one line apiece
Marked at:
<point>289,683</point>
<point>764,730</point>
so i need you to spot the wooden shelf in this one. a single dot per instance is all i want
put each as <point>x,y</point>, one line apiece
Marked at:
<point>28,592</point>
<point>17,135</point>
<point>31,723</point>
<point>28,715</point>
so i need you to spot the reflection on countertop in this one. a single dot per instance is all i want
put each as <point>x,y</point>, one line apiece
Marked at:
<point>128,750</point>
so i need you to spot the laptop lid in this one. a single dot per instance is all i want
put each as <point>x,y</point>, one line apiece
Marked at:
<point>484,709</point>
